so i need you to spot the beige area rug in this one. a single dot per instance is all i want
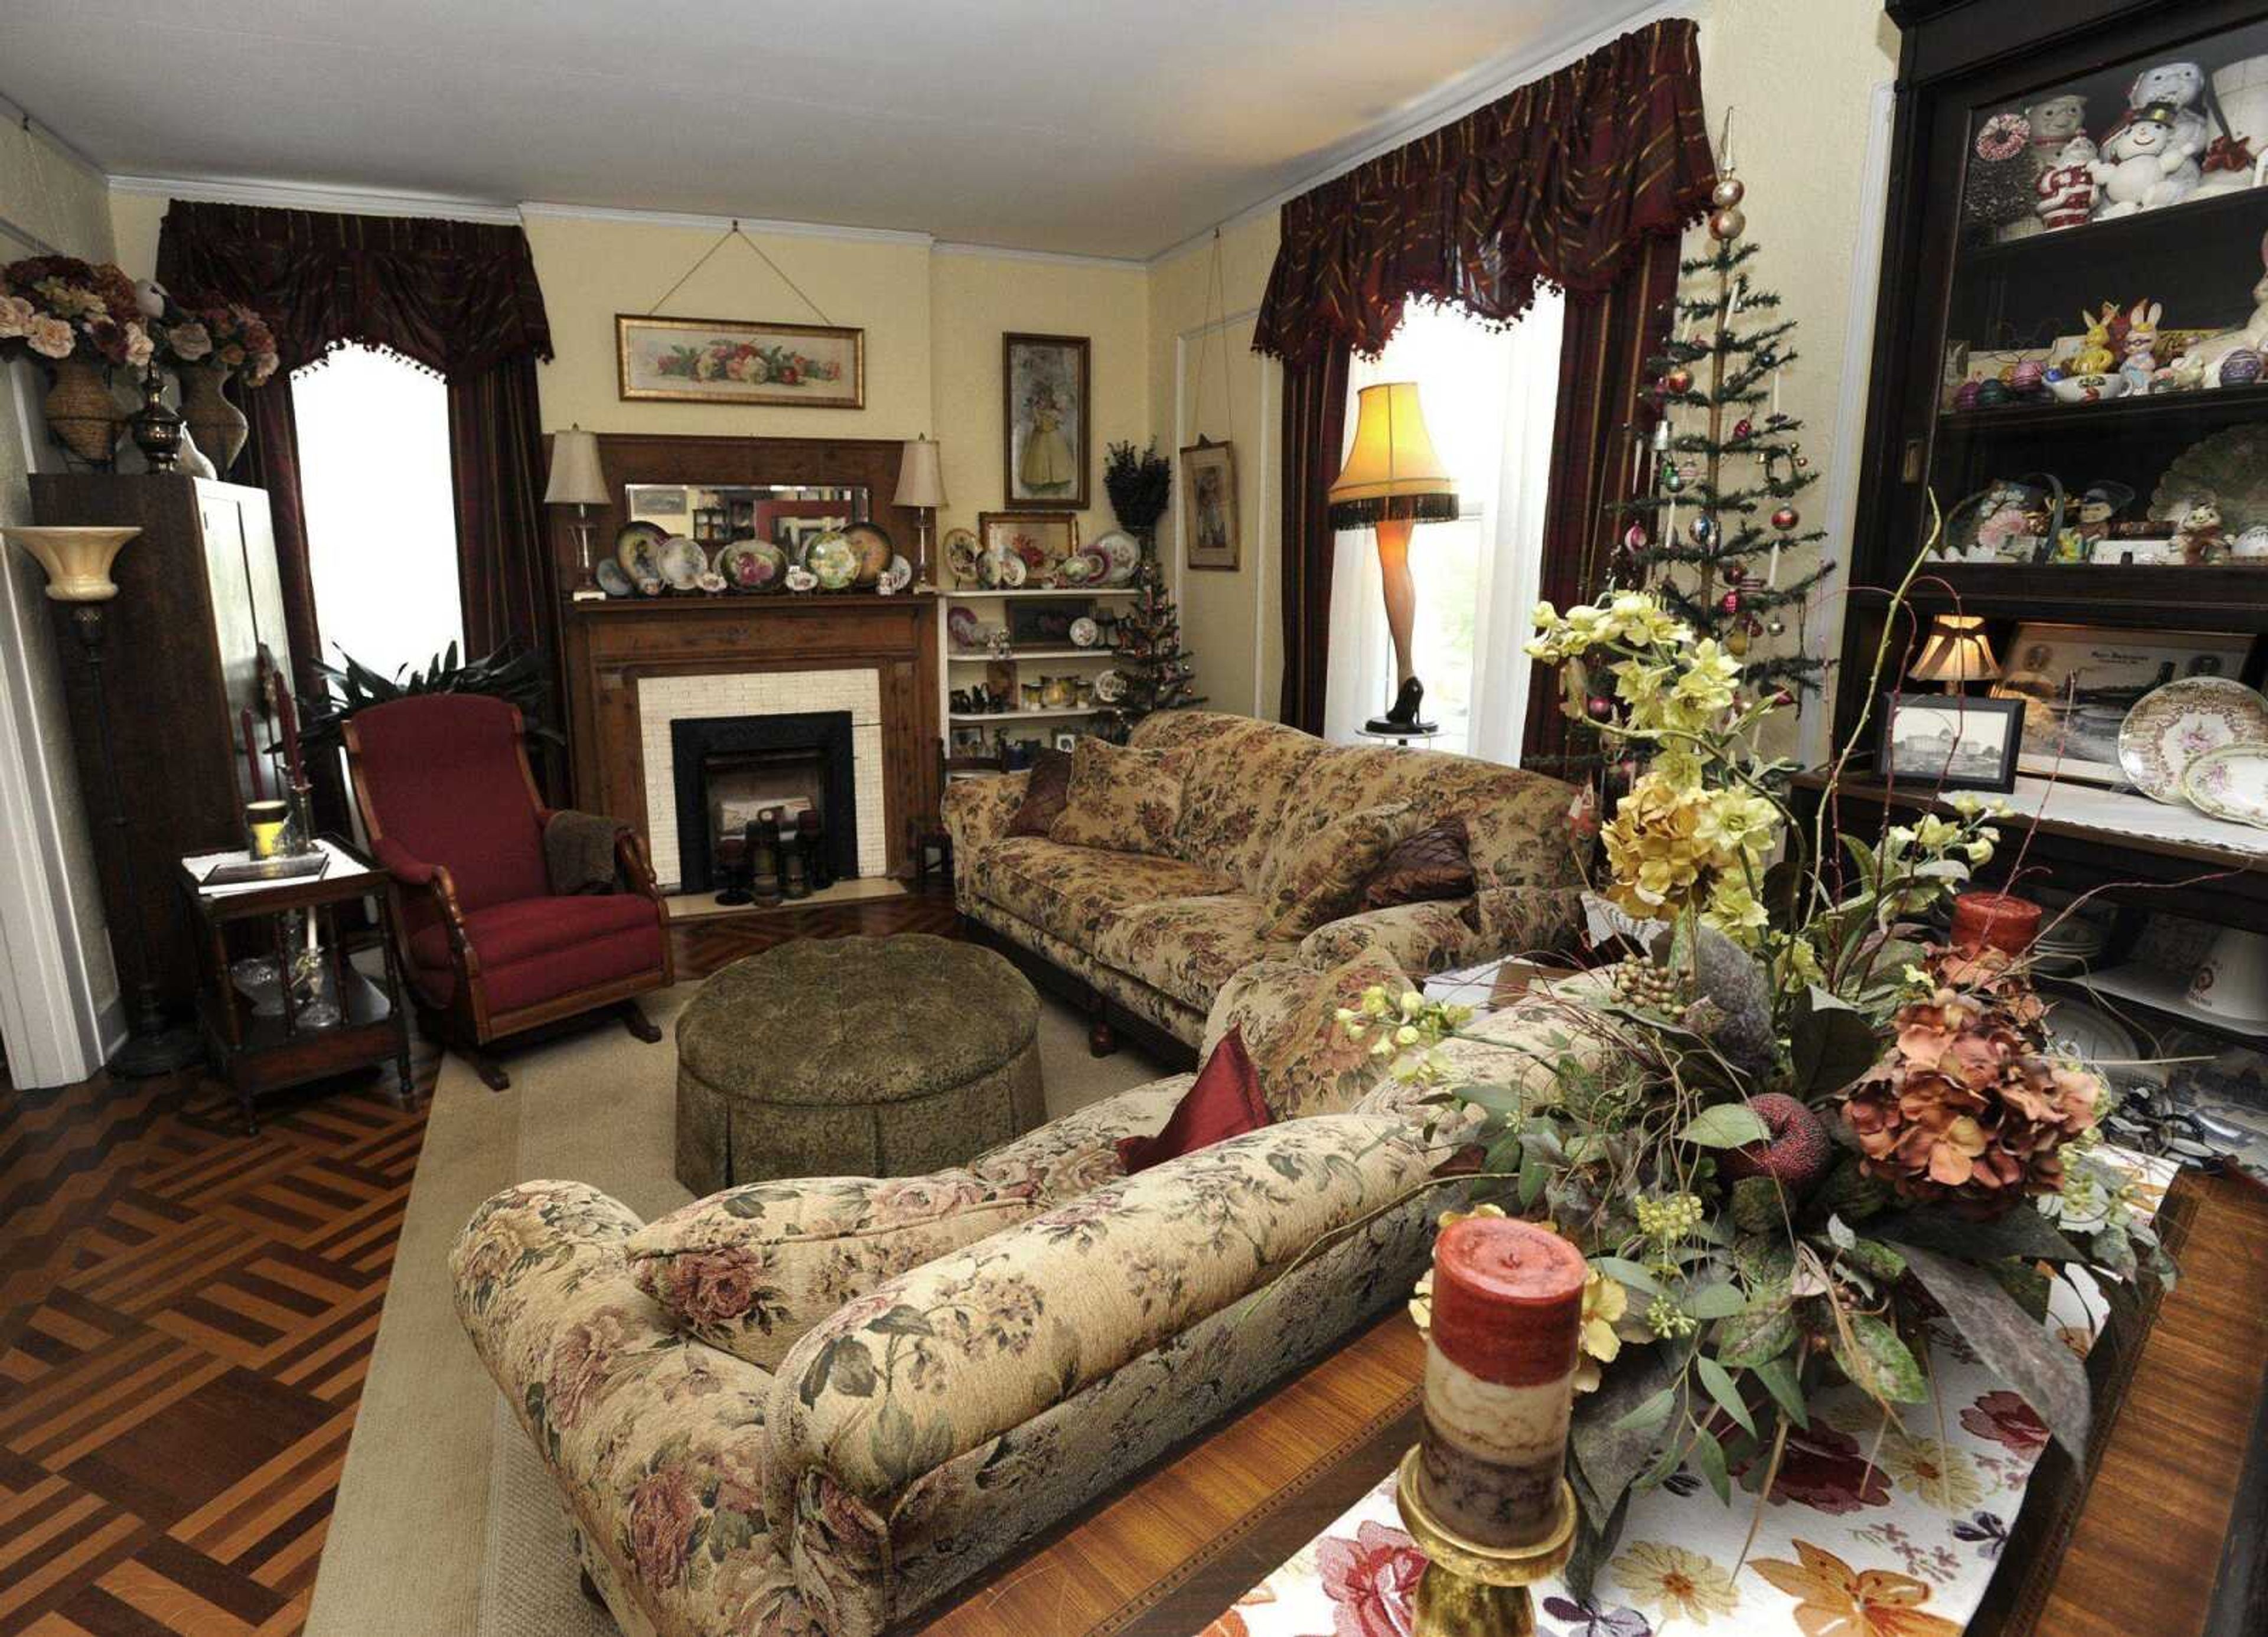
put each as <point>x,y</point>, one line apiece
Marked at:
<point>445,1525</point>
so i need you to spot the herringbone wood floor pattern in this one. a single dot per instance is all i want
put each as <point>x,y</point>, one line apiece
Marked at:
<point>185,1315</point>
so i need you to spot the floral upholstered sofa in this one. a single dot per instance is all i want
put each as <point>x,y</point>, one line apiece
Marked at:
<point>1157,933</point>
<point>920,1413</point>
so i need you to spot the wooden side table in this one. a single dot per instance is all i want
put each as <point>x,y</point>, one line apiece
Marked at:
<point>257,1051</point>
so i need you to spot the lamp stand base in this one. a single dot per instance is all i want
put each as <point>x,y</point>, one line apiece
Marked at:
<point>162,1052</point>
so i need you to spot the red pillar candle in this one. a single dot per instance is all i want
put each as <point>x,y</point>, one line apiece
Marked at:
<point>1499,1379</point>
<point>1997,920</point>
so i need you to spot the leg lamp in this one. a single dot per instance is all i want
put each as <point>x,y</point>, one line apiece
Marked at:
<point>1392,481</point>
<point>77,564</point>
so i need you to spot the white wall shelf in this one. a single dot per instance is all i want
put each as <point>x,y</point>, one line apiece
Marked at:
<point>977,656</point>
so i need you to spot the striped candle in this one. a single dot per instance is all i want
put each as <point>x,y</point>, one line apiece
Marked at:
<point>1499,1379</point>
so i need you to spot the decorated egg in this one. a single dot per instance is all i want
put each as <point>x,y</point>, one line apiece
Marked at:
<point>2243,367</point>
<point>2029,375</point>
<point>1964,396</point>
<point>1993,394</point>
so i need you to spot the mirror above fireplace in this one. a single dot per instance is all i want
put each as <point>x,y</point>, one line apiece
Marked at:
<point>782,514</point>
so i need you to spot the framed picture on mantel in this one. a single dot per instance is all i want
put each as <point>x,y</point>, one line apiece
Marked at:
<point>740,360</point>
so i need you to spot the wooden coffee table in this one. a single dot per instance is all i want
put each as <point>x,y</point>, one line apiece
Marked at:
<point>2150,1547</point>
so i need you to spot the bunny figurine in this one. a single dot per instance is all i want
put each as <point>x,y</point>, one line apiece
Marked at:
<point>2141,344</point>
<point>2149,161</point>
<point>2209,355</point>
<point>2094,356</point>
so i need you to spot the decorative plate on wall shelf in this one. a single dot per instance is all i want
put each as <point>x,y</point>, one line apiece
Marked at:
<point>1084,633</point>
<point>960,551</point>
<point>835,559</point>
<point>637,548</point>
<point>1109,687</point>
<point>752,565</point>
<point>2230,783</point>
<point>683,562</point>
<point>2172,726</point>
<point>1122,552</point>
<point>613,579</point>
<point>2230,468</point>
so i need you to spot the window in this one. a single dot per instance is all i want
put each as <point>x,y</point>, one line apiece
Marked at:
<point>381,518</point>
<point>1489,397</point>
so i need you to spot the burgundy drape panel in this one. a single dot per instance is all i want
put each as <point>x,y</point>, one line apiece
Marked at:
<point>504,576</point>
<point>1314,432</point>
<point>271,454</point>
<point>1603,410</point>
<point>1561,181</point>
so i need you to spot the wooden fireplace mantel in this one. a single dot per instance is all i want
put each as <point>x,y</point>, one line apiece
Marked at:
<point>607,648</point>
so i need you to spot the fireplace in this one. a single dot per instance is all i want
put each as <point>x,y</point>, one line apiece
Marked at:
<point>726,768</point>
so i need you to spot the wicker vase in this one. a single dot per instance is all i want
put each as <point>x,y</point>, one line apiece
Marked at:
<point>82,415</point>
<point>218,425</point>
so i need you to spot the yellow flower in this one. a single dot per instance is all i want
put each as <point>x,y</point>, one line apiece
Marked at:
<point>1604,1300</point>
<point>1733,908</point>
<point>1940,1475</point>
<point>1653,1574</point>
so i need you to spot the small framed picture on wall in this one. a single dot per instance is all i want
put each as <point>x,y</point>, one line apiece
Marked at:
<point>1949,741</point>
<point>1044,419</point>
<point>1209,530</point>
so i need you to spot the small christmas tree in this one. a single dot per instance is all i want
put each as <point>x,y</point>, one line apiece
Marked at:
<point>1154,664</point>
<point>1727,472</point>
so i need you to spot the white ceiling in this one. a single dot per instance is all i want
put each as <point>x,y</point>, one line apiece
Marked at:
<point>1115,129</point>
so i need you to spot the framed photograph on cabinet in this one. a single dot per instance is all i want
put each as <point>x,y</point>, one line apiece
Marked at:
<point>2077,682</point>
<point>1045,383</point>
<point>1208,532</point>
<point>738,361</point>
<point>1950,741</point>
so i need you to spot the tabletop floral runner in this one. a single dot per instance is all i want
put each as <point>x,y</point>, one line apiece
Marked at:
<point>1873,1529</point>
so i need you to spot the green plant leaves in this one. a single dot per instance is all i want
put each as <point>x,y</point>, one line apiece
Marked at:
<point>2021,1232</point>
<point>1725,1125</point>
<point>1787,1388</point>
<point>1829,1043</point>
<point>1878,1363</point>
<point>1717,1381</point>
<point>2011,1343</point>
<point>1761,1331</point>
<point>1610,1455</point>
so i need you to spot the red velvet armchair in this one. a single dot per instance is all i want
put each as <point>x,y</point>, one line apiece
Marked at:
<point>489,948</point>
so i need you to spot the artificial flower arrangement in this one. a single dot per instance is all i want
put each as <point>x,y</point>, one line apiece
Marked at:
<point>225,335</point>
<point>1792,1128</point>
<point>55,308</point>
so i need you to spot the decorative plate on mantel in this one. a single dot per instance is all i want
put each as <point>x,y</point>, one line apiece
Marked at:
<point>960,552</point>
<point>2230,783</point>
<point>2172,726</point>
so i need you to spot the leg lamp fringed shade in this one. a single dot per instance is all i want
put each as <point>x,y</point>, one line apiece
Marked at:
<point>1392,481</point>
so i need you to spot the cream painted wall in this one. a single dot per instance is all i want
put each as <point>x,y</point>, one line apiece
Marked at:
<point>976,298</point>
<point>1800,74</point>
<point>58,988</point>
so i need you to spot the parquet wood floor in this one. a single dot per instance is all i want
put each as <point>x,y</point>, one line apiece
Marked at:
<point>186,1314</point>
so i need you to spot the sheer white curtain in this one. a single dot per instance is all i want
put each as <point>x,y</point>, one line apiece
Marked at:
<point>1489,398</point>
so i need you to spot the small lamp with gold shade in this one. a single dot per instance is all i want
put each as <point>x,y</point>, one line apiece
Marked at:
<point>1392,481</point>
<point>1957,651</point>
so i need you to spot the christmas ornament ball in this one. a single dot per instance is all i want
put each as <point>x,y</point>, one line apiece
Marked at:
<point>1736,641</point>
<point>1729,603</point>
<point>1777,626</point>
<point>1743,427</point>
<point>1672,480</point>
<point>1705,531</point>
<point>1599,706</point>
<point>1677,378</point>
<point>1783,698</point>
<point>1785,519</point>
<point>1728,222</point>
<point>1728,192</point>
<point>1634,537</point>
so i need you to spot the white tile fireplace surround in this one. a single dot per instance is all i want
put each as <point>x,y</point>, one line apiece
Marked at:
<point>663,700</point>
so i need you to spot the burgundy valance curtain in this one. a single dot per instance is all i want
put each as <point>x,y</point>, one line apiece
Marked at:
<point>1561,181</point>
<point>456,297</point>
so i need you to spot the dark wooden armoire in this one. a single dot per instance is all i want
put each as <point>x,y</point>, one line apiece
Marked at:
<point>198,600</point>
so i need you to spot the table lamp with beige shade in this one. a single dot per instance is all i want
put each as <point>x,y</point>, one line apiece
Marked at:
<point>921,485</point>
<point>77,564</point>
<point>1957,651</point>
<point>1392,481</point>
<point>576,480</point>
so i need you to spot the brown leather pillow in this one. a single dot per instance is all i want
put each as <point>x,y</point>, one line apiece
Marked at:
<point>1044,794</point>
<point>1434,863</point>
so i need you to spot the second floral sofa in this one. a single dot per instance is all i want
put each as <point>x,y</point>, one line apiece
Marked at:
<point>1156,933</point>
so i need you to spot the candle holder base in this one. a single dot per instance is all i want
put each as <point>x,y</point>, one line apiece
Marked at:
<point>1473,1590</point>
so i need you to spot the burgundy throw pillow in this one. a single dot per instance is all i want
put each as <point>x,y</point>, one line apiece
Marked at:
<point>1044,794</point>
<point>1223,1103</point>
<point>1434,863</point>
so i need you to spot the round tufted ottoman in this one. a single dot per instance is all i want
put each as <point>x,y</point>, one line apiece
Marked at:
<point>860,1057</point>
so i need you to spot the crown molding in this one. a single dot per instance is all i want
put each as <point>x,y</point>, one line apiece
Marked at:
<point>1476,88</point>
<point>1052,258</point>
<point>768,227</point>
<point>295,196</point>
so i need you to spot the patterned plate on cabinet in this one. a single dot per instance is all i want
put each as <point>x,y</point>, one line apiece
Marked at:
<point>2231,783</point>
<point>2172,726</point>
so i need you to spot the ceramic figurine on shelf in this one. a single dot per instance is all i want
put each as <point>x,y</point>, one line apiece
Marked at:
<point>2180,86</point>
<point>2141,361</point>
<point>2053,122</point>
<point>2147,163</point>
<point>2201,540</point>
<point>2184,374</point>
<point>2209,356</point>
<point>2067,189</point>
<point>2094,356</point>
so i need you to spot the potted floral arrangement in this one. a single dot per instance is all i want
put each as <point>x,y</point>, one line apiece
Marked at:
<point>81,322</point>
<point>1791,1130</point>
<point>207,341</point>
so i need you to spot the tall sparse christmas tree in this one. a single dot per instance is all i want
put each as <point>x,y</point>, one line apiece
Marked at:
<point>1710,537</point>
<point>1153,665</point>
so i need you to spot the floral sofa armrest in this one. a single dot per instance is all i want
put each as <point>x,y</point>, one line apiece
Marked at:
<point>925,1428</point>
<point>976,811</point>
<point>1445,933</point>
<point>656,1442</point>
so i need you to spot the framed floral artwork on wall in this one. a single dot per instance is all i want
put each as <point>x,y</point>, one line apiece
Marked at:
<point>1044,418</point>
<point>736,361</point>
